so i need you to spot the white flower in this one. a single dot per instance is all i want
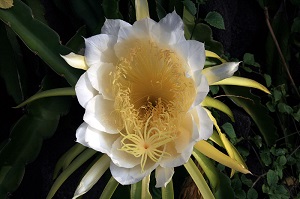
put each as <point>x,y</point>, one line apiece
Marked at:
<point>141,93</point>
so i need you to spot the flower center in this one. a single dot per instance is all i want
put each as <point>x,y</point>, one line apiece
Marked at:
<point>152,94</point>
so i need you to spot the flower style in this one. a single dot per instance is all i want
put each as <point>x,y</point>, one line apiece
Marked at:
<point>141,93</point>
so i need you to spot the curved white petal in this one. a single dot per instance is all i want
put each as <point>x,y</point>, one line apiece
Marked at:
<point>101,115</point>
<point>184,144</point>
<point>121,158</point>
<point>202,88</point>
<point>101,79</point>
<point>192,52</point>
<point>76,61</point>
<point>127,176</point>
<point>112,26</point>
<point>84,90</point>
<point>169,30</point>
<point>100,141</point>
<point>140,29</point>
<point>220,72</point>
<point>99,49</point>
<point>203,122</point>
<point>163,176</point>
<point>80,134</point>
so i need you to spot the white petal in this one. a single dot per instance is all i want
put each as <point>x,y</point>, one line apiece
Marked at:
<point>84,90</point>
<point>202,88</point>
<point>112,26</point>
<point>101,115</point>
<point>80,134</point>
<point>163,176</point>
<point>100,141</point>
<point>122,158</point>
<point>140,29</point>
<point>203,122</point>
<point>189,133</point>
<point>192,52</point>
<point>101,79</point>
<point>184,144</point>
<point>169,30</point>
<point>220,72</point>
<point>99,49</point>
<point>76,61</point>
<point>127,176</point>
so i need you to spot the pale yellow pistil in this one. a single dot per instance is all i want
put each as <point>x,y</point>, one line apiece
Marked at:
<point>152,95</point>
<point>151,143</point>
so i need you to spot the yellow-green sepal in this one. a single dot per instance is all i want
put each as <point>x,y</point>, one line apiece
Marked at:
<point>198,179</point>
<point>141,189</point>
<point>109,189</point>
<point>217,104</point>
<point>210,151</point>
<point>141,9</point>
<point>242,81</point>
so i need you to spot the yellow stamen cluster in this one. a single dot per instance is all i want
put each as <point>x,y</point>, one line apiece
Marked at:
<point>152,94</point>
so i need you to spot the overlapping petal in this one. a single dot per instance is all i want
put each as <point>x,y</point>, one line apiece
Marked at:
<point>84,90</point>
<point>99,49</point>
<point>101,115</point>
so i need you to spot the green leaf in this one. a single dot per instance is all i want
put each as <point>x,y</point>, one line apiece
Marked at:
<point>259,113</point>
<point>268,80</point>
<point>277,95</point>
<point>265,157</point>
<point>214,89</point>
<point>82,158</point>
<point>90,12</point>
<point>249,60</point>
<point>111,9</point>
<point>12,69</point>
<point>38,10</point>
<point>246,181</point>
<point>297,116</point>
<point>272,178</point>
<point>296,25</point>
<point>252,194</point>
<point>26,139</point>
<point>240,194</point>
<point>281,160</point>
<point>65,160</point>
<point>215,19</point>
<point>284,108</point>
<point>225,190</point>
<point>40,39</point>
<point>70,91</point>
<point>200,32</point>
<point>190,6</point>
<point>109,189</point>
<point>161,12</point>
<point>229,130</point>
